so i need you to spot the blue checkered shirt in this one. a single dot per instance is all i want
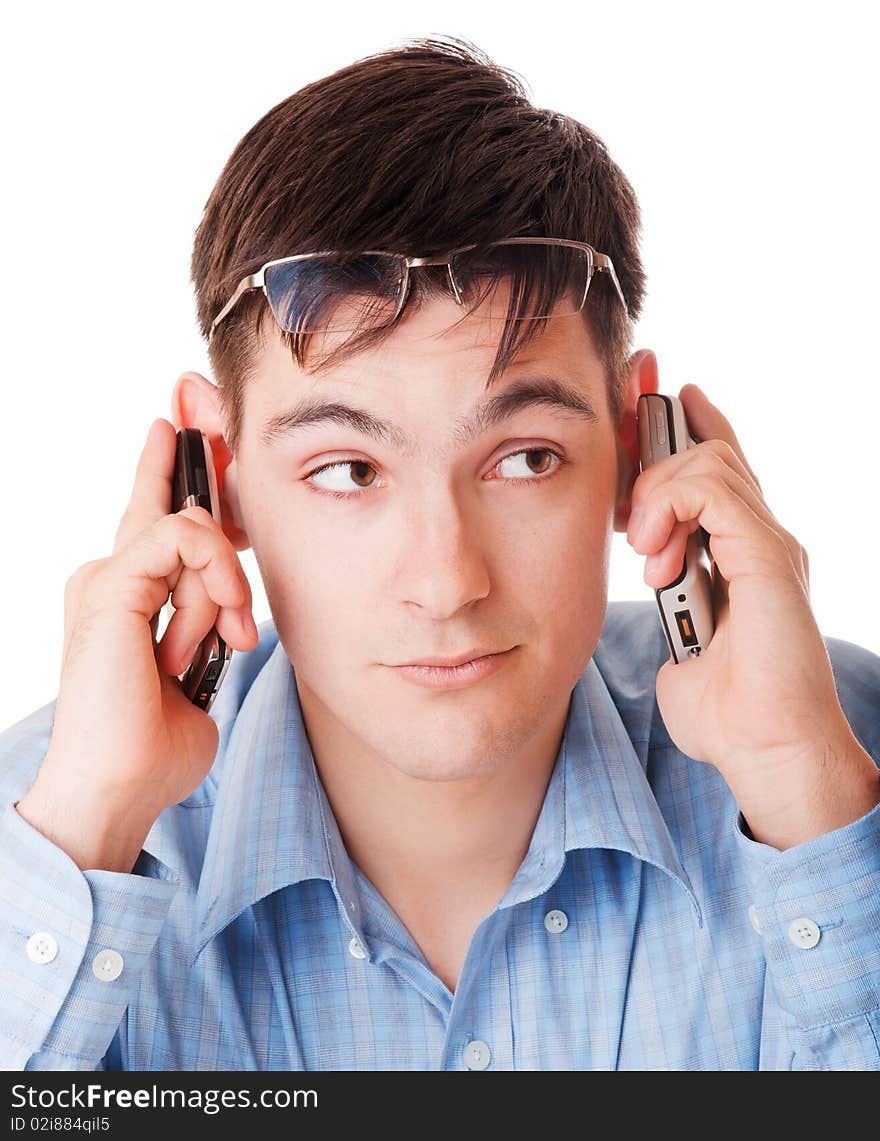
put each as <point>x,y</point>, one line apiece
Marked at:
<point>644,929</point>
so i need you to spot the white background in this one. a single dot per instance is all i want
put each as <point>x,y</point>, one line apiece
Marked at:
<point>748,132</point>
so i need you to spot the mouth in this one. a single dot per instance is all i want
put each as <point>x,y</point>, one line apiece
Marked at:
<point>457,659</point>
<point>465,670</point>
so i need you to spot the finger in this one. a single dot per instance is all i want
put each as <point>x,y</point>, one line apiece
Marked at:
<point>741,541</point>
<point>707,422</point>
<point>717,459</point>
<point>151,494</point>
<point>664,566</point>
<point>204,518</point>
<point>194,615</point>
<point>140,571</point>
<point>701,457</point>
<point>194,610</point>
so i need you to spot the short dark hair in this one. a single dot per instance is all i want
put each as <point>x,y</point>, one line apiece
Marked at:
<point>418,149</point>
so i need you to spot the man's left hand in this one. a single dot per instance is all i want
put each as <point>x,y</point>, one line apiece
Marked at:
<point>760,702</point>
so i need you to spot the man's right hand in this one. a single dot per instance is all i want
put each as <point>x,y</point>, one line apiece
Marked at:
<point>126,741</point>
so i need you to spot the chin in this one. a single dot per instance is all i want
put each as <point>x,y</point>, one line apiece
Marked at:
<point>456,745</point>
<point>440,768</point>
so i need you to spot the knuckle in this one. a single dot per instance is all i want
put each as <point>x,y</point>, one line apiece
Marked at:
<point>714,454</point>
<point>795,549</point>
<point>788,547</point>
<point>81,577</point>
<point>788,538</point>
<point>72,589</point>
<point>130,525</point>
<point>718,458</point>
<point>725,451</point>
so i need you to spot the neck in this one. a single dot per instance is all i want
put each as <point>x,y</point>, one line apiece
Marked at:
<point>438,838</point>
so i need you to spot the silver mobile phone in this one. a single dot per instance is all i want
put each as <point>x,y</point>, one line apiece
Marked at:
<point>195,485</point>
<point>685,604</point>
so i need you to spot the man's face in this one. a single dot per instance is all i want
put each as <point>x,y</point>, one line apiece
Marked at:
<point>437,542</point>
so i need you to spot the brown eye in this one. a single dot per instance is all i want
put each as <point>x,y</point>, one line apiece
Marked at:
<point>538,452</point>
<point>344,477</point>
<point>360,471</point>
<point>528,464</point>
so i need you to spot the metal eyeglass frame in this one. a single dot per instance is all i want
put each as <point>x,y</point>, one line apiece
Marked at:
<point>595,262</point>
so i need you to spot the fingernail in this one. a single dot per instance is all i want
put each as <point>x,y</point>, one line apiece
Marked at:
<point>636,522</point>
<point>249,625</point>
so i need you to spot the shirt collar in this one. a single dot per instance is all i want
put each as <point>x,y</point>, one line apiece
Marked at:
<point>267,828</point>
<point>272,824</point>
<point>598,797</point>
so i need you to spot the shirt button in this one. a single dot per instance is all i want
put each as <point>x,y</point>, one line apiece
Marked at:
<point>356,949</point>
<point>41,947</point>
<point>753,918</point>
<point>477,1055</point>
<point>556,921</point>
<point>804,933</point>
<point>107,965</point>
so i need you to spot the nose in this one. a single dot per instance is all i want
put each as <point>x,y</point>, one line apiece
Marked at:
<point>443,560</point>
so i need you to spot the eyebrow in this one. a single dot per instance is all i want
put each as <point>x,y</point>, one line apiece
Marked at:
<point>527,392</point>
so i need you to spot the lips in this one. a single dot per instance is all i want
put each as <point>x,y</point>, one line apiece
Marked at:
<point>465,672</point>
<point>456,659</point>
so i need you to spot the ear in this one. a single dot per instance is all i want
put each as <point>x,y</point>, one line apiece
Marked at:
<point>642,377</point>
<point>196,403</point>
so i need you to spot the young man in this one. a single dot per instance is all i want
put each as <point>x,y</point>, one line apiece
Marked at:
<point>570,853</point>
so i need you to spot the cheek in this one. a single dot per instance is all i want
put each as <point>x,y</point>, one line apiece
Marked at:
<point>310,582</point>
<point>313,586</point>
<point>558,574</point>
<point>568,568</point>
<point>565,542</point>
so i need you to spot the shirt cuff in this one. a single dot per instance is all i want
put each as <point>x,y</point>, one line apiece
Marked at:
<point>816,907</point>
<point>72,949</point>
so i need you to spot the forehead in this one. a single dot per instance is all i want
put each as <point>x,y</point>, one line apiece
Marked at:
<point>430,371</point>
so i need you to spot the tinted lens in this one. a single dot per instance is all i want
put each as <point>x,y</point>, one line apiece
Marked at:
<point>335,293</point>
<point>543,280</point>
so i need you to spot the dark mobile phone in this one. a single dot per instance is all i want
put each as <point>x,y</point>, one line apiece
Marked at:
<point>195,485</point>
<point>685,604</point>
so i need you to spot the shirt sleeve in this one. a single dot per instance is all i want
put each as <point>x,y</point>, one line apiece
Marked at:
<point>816,908</point>
<point>72,948</point>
